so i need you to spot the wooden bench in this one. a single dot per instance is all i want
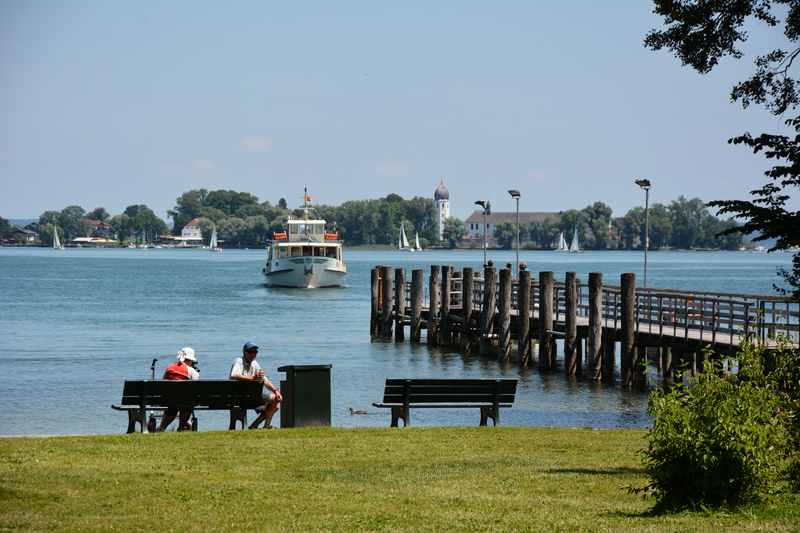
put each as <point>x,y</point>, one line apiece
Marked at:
<point>141,396</point>
<point>489,395</point>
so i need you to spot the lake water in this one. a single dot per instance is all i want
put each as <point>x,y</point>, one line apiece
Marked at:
<point>76,323</point>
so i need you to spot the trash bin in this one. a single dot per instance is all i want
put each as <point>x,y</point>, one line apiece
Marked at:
<point>306,396</point>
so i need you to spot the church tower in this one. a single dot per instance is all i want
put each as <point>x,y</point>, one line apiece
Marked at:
<point>442,198</point>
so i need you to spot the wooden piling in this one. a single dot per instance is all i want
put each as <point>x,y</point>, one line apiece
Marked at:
<point>627,347</point>
<point>444,320</point>
<point>399,304</point>
<point>546,352</point>
<point>595,340</point>
<point>416,304</point>
<point>488,306</point>
<point>524,318</point>
<point>433,309</point>
<point>572,362</point>
<point>608,349</point>
<point>386,302</point>
<point>667,369</point>
<point>374,285</point>
<point>504,318</point>
<point>467,285</point>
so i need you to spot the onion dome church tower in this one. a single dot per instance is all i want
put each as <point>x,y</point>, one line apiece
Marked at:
<point>441,197</point>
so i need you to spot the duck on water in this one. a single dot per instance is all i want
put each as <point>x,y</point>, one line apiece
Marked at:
<point>305,255</point>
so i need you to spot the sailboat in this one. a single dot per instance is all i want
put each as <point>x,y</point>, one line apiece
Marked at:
<point>402,241</point>
<point>574,246</point>
<point>56,241</point>
<point>213,245</point>
<point>562,243</point>
<point>417,247</point>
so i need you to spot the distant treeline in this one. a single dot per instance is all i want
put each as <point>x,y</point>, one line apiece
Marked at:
<point>680,224</point>
<point>244,221</point>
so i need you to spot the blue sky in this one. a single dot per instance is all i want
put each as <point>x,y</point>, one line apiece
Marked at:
<point>110,104</point>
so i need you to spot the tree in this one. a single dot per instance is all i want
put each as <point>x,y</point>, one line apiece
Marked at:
<point>454,231</point>
<point>49,217</point>
<point>505,235</point>
<point>282,203</point>
<point>5,227</point>
<point>98,213</point>
<point>121,226</point>
<point>187,207</point>
<point>598,220</point>
<point>71,221</point>
<point>700,33</point>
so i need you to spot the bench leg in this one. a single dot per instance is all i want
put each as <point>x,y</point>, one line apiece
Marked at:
<point>490,412</point>
<point>238,415</point>
<point>132,421</point>
<point>400,413</point>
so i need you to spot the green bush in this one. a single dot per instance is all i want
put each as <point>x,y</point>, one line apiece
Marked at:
<point>722,440</point>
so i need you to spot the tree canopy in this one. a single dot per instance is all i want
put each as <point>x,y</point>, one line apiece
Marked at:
<point>700,33</point>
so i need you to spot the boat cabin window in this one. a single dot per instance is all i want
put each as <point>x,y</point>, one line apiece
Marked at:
<point>330,252</point>
<point>306,228</point>
<point>296,251</point>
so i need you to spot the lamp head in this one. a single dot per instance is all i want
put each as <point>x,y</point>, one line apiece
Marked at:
<point>643,183</point>
<point>514,193</point>
<point>481,203</point>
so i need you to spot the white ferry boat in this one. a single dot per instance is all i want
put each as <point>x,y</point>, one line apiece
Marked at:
<point>305,255</point>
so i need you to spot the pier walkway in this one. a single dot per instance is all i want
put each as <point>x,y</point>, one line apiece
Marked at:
<point>482,313</point>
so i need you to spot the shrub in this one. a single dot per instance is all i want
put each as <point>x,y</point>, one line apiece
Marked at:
<point>721,440</point>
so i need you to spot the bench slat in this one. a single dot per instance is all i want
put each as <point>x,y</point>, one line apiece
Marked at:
<point>439,398</point>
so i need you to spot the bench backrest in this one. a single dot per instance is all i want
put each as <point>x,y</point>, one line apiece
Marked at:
<point>419,391</point>
<point>210,393</point>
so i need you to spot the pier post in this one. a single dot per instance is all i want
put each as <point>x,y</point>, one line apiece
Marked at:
<point>609,349</point>
<point>524,318</point>
<point>433,308</point>
<point>386,302</point>
<point>416,305</point>
<point>374,321</point>
<point>593,346</point>
<point>487,309</point>
<point>628,346</point>
<point>667,370</point>
<point>444,321</point>
<point>400,304</point>
<point>504,322</point>
<point>572,362</point>
<point>546,351</point>
<point>467,284</point>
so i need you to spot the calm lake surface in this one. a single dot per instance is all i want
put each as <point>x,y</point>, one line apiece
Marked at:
<point>76,323</point>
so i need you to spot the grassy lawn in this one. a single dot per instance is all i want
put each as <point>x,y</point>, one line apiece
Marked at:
<point>465,479</point>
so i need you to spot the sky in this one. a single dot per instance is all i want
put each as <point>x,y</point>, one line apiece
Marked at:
<point>112,104</point>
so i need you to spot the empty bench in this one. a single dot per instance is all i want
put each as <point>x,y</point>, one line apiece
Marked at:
<point>141,396</point>
<point>488,395</point>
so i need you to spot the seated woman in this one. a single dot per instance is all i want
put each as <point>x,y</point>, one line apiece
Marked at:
<point>181,370</point>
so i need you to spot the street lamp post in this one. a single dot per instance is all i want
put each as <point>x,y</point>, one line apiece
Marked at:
<point>645,184</point>
<point>515,195</point>
<point>487,210</point>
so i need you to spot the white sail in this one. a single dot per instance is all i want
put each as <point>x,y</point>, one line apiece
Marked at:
<point>56,241</point>
<point>212,244</point>
<point>575,247</point>
<point>403,244</point>
<point>562,243</point>
<point>416,242</point>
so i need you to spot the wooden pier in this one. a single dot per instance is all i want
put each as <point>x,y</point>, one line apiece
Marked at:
<point>482,314</point>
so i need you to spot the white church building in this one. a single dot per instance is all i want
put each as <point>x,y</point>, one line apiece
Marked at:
<point>442,198</point>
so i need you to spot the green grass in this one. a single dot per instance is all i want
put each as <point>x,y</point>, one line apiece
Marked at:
<point>463,479</point>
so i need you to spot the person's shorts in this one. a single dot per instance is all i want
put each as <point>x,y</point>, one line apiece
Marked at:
<point>268,397</point>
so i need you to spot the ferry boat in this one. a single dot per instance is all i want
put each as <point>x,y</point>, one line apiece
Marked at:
<point>305,255</point>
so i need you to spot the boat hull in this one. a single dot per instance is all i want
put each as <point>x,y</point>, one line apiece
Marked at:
<point>305,273</point>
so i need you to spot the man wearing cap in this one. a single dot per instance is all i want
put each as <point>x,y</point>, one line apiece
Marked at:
<point>181,370</point>
<point>246,368</point>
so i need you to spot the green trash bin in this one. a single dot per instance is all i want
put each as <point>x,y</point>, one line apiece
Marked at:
<point>306,396</point>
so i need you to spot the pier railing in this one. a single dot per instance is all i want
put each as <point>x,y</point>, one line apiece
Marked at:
<point>718,318</point>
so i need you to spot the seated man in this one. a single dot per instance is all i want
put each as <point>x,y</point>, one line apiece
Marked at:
<point>182,369</point>
<point>246,368</point>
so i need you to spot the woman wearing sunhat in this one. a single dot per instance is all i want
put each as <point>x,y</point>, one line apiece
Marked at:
<point>246,368</point>
<point>181,370</point>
